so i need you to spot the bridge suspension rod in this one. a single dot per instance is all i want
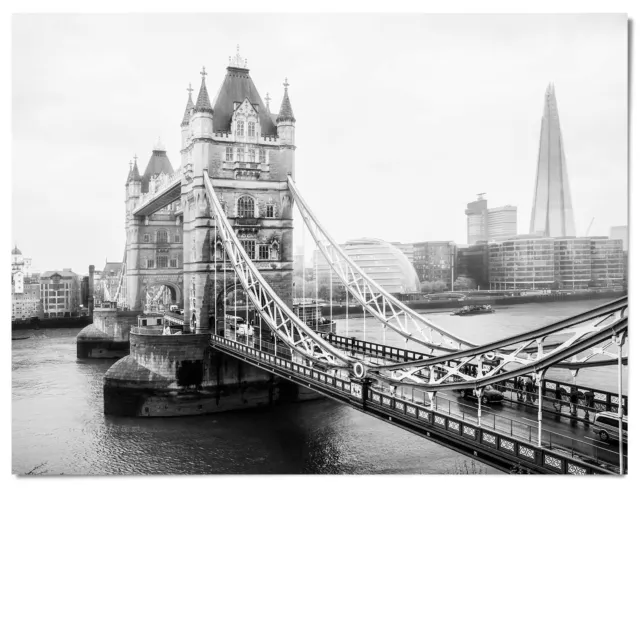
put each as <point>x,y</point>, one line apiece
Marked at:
<point>275,313</point>
<point>379,303</point>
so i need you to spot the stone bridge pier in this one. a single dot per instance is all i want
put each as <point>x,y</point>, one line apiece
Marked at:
<point>108,336</point>
<point>181,375</point>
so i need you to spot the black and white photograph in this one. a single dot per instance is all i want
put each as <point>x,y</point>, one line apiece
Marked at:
<point>260,257</point>
<point>304,301</point>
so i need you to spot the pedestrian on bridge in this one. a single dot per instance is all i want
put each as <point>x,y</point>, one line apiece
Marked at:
<point>529,388</point>
<point>518,386</point>
<point>557,405</point>
<point>573,400</point>
<point>589,398</point>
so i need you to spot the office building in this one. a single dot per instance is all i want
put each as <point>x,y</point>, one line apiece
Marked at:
<point>552,212</point>
<point>60,293</point>
<point>434,261</point>
<point>490,225</point>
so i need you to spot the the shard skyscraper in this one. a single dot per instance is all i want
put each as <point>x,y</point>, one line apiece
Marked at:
<point>552,213</point>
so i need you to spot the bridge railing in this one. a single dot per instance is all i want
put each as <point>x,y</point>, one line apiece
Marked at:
<point>518,441</point>
<point>602,400</point>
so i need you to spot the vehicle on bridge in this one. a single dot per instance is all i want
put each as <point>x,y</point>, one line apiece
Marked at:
<point>489,394</point>
<point>606,425</point>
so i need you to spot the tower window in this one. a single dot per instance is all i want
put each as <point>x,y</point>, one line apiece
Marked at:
<point>173,263</point>
<point>263,251</point>
<point>270,212</point>
<point>163,262</point>
<point>251,126</point>
<point>241,154</point>
<point>263,155</point>
<point>246,207</point>
<point>176,238</point>
<point>252,155</point>
<point>229,154</point>
<point>240,128</point>
<point>162,236</point>
<point>250,248</point>
<point>149,263</point>
<point>145,238</point>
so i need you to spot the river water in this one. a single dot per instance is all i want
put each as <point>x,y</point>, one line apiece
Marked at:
<point>59,427</point>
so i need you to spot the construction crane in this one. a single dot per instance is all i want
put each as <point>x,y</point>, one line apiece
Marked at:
<point>589,227</point>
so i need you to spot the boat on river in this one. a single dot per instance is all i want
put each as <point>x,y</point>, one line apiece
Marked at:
<point>473,310</point>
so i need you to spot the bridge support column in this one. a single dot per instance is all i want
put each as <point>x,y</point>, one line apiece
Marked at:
<point>108,336</point>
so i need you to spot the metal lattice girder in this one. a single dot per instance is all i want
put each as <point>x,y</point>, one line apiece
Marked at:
<point>378,302</point>
<point>576,342</point>
<point>275,313</point>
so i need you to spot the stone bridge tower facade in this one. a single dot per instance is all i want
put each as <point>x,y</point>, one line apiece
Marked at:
<point>248,153</point>
<point>154,243</point>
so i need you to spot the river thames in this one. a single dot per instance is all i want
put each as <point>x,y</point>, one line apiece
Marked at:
<point>59,426</point>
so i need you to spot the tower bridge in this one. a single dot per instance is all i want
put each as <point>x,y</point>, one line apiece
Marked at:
<point>223,222</point>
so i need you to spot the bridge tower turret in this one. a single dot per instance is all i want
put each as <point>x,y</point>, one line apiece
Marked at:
<point>286,123</point>
<point>133,192</point>
<point>197,134</point>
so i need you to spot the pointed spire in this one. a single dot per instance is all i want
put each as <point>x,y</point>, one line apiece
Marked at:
<point>129,174</point>
<point>135,173</point>
<point>286,112</point>
<point>267,100</point>
<point>237,62</point>
<point>203,103</point>
<point>189,108</point>
<point>158,146</point>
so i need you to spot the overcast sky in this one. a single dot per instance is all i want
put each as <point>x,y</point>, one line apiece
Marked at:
<point>401,119</point>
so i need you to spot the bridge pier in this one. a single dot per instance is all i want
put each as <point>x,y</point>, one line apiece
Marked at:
<point>181,375</point>
<point>108,336</point>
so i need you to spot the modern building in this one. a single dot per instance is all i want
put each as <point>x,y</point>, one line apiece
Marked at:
<point>383,262</point>
<point>620,233</point>
<point>434,261</point>
<point>473,262</point>
<point>490,225</point>
<point>476,213</point>
<point>407,248</point>
<point>524,262</point>
<point>60,293</point>
<point>552,212</point>
<point>607,262</point>
<point>572,258</point>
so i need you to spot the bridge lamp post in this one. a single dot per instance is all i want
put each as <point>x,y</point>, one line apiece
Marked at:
<point>539,379</point>
<point>479,394</point>
<point>619,341</point>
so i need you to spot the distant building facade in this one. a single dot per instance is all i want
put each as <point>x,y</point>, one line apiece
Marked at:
<point>538,262</point>
<point>19,262</point>
<point>434,261</point>
<point>490,225</point>
<point>407,248</point>
<point>383,262</point>
<point>473,262</point>
<point>60,293</point>
<point>607,262</point>
<point>620,233</point>
<point>526,262</point>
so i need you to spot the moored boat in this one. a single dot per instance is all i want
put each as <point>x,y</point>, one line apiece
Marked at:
<point>473,310</point>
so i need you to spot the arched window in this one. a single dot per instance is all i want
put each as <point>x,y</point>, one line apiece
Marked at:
<point>240,128</point>
<point>162,236</point>
<point>246,207</point>
<point>275,250</point>
<point>270,211</point>
<point>251,126</point>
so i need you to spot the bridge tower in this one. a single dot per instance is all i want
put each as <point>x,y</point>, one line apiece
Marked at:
<point>248,153</point>
<point>153,242</point>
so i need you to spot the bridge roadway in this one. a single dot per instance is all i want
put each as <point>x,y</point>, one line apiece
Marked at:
<point>518,413</point>
<point>506,437</point>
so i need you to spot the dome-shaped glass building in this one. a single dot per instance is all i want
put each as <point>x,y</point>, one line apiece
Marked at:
<point>385,264</point>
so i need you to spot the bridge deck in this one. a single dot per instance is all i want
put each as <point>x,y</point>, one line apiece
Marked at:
<point>504,445</point>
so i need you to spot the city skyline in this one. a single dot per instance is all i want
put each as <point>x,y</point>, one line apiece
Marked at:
<point>453,151</point>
